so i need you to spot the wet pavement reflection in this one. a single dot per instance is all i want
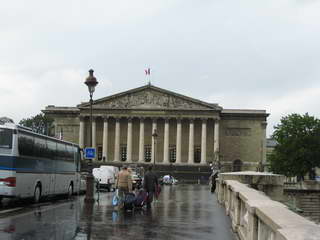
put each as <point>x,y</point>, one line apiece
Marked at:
<point>181,212</point>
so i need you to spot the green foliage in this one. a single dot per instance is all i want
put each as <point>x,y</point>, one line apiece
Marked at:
<point>39,123</point>
<point>298,150</point>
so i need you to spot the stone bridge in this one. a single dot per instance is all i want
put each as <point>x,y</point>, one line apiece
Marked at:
<point>252,201</point>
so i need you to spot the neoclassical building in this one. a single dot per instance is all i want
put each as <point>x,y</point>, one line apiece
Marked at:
<point>190,132</point>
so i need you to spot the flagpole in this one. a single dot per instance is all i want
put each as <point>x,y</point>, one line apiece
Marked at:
<point>147,72</point>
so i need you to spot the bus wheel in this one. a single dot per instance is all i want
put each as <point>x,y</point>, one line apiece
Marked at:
<point>70,191</point>
<point>37,194</point>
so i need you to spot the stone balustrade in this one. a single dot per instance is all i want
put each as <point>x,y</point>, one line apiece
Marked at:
<point>255,216</point>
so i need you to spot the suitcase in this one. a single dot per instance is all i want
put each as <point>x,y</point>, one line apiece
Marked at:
<point>141,198</point>
<point>129,200</point>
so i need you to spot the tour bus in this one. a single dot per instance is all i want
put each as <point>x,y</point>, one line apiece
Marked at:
<point>34,165</point>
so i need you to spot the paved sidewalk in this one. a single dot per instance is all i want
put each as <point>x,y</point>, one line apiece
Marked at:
<point>182,212</point>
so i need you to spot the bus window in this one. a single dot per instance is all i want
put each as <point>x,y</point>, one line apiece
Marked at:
<point>52,149</point>
<point>25,145</point>
<point>5,138</point>
<point>61,151</point>
<point>40,147</point>
<point>70,153</point>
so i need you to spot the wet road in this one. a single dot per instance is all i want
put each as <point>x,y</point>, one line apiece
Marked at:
<point>182,212</point>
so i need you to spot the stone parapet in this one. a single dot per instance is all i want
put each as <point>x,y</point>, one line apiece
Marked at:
<point>270,184</point>
<point>255,216</point>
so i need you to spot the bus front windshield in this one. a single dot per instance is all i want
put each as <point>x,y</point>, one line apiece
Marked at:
<point>6,138</point>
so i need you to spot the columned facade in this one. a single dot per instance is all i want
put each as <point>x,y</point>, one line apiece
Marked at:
<point>190,132</point>
<point>169,149</point>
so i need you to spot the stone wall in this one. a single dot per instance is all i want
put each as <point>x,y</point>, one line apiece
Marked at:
<point>305,199</point>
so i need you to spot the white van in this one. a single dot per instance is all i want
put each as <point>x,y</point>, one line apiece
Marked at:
<point>106,176</point>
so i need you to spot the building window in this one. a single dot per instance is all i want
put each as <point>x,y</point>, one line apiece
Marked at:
<point>147,153</point>
<point>197,154</point>
<point>172,153</point>
<point>123,152</point>
<point>99,153</point>
<point>237,165</point>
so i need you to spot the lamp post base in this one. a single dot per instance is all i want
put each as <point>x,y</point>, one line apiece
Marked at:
<point>90,189</point>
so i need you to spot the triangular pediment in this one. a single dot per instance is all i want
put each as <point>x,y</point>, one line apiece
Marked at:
<point>151,97</point>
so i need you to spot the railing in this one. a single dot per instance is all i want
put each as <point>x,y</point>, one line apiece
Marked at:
<point>255,216</point>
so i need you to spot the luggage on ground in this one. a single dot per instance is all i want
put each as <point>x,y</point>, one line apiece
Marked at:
<point>129,201</point>
<point>141,198</point>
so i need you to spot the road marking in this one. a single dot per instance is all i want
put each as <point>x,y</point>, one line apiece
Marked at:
<point>10,210</point>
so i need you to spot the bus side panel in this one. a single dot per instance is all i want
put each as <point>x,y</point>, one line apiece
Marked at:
<point>31,171</point>
<point>26,183</point>
<point>65,175</point>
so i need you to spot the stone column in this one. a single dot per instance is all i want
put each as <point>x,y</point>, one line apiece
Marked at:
<point>178,144</point>
<point>129,141</point>
<point>94,135</point>
<point>105,140</point>
<point>191,142</point>
<point>81,133</point>
<point>204,141</point>
<point>166,141</point>
<point>141,141</point>
<point>216,140</point>
<point>117,141</point>
<point>263,145</point>
<point>154,127</point>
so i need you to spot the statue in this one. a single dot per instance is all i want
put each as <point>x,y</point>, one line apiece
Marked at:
<point>4,120</point>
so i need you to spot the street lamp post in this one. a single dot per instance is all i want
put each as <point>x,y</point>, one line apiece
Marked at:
<point>91,82</point>
<point>154,135</point>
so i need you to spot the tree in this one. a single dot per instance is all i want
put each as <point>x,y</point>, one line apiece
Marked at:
<point>298,150</point>
<point>39,123</point>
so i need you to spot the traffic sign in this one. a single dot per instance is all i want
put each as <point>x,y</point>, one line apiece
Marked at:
<point>89,153</point>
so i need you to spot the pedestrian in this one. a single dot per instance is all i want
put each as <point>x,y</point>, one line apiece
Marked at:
<point>213,178</point>
<point>123,184</point>
<point>150,184</point>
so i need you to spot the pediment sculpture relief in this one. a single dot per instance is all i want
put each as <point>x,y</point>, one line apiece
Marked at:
<point>151,99</point>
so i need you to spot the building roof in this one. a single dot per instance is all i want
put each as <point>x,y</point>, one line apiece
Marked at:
<point>150,97</point>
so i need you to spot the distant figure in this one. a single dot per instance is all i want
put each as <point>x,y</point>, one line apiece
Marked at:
<point>213,178</point>
<point>150,184</point>
<point>124,183</point>
<point>169,180</point>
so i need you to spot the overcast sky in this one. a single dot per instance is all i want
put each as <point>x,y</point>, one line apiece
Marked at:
<point>241,54</point>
